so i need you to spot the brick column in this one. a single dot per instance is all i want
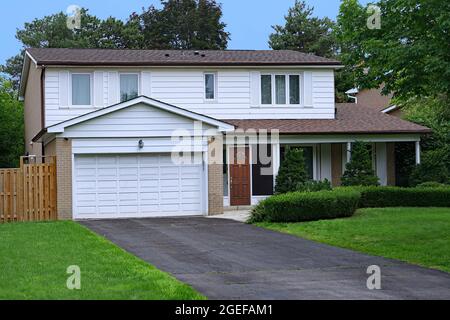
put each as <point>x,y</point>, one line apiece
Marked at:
<point>64,178</point>
<point>215,176</point>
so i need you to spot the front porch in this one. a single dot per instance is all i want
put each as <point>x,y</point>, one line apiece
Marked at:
<point>250,168</point>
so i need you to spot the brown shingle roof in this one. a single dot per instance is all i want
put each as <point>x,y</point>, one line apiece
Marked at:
<point>350,119</point>
<point>119,57</point>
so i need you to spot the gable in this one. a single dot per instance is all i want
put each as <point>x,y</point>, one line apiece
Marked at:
<point>139,120</point>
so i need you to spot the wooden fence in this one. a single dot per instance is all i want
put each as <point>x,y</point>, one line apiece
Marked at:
<point>29,192</point>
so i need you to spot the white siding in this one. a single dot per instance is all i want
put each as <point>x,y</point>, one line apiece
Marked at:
<point>136,121</point>
<point>130,145</point>
<point>238,93</point>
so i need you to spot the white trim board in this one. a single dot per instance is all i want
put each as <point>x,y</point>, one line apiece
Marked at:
<point>222,126</point>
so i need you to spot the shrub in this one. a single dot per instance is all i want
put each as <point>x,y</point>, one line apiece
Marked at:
<point>314,186</point>
<point>380,197</point>
<point>359,172</point>
<point>433,167</point>
<point>306,206</point>
<point>292,171</point>
<point>432,184</point>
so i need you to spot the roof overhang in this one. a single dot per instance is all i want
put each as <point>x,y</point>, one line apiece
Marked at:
<point>27,58</point>
<point>60,127</point>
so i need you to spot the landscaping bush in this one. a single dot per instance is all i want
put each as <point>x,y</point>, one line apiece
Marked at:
<point>314,186</point>
<point>359,172</point>
<point>306,206</point>
<point>432,184</point>
<point>380,197</point>
<point>292,171</point>
<point>433,168</point>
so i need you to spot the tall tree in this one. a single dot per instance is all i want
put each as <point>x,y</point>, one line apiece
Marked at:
<point>183,24</point>
<point>304,32</point>
<point>11,126</point>
<point>409,54</point>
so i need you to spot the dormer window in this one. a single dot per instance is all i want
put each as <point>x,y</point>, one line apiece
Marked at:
<point>280,89</point>
<point>81,89</point>
<point>129,86</point>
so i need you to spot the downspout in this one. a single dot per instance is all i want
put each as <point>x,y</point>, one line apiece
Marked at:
<point>42,105</point>
<point>353,98</point>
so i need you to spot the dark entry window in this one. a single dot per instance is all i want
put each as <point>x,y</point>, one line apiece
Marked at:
<point>262,171</point>
<point>309,159</point>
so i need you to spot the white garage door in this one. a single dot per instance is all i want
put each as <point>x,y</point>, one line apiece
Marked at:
<point>136,186</point>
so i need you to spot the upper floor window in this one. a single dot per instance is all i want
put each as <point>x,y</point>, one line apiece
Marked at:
<point>129,86</point>
<point>81,89</point>
<point>210,86</point>
<point>285,88</point>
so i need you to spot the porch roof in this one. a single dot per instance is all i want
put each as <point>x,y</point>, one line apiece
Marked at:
<point>350,119</point>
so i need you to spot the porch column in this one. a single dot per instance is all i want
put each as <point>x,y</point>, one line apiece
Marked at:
<point>349,151</point>
<point>275,160</point>
<point>417,152</point>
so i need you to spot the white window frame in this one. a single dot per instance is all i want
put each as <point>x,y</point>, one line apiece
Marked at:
<point>91,85</point>
<point>273,84</point>
<point>214,74</point>
<point>138,86</point>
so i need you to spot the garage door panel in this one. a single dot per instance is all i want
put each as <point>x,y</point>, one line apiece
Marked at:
<point>136,186</point>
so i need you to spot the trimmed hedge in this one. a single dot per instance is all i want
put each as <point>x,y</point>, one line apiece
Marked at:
<point>380,197</point>
<point>306,206</point>
<point>343,202</point>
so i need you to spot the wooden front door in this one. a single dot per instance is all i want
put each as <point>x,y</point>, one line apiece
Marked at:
<point>239,176</point>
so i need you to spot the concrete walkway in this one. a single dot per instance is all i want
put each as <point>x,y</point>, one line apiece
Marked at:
<point>224,259</point>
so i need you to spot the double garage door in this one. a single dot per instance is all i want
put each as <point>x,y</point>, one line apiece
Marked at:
<point>150,185</point>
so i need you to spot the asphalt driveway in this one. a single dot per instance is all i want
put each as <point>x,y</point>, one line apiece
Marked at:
<point>225,259</point>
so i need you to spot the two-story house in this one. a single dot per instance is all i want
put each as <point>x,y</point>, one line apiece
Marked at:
<point>141,133</point>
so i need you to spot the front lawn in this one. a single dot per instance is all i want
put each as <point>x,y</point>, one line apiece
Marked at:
<point>34,258</point>
<point>416,235</point>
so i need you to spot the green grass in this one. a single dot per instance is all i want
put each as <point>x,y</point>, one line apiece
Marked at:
<point>415,235</point>
<point>34,258</point>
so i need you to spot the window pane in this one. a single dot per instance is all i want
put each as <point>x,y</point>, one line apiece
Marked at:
<point>280,89</point>
<point>262,171</point>
<point>266,89</point>
<point>294,89</point>
<point>81,89</point>
<point>129,84</point>
<point>209,86</point>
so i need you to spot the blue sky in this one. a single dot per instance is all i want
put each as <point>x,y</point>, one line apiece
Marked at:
<point>249,21</point>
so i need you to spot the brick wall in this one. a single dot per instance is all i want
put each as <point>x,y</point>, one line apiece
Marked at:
<point>215,176</point>
<point>64,178</point>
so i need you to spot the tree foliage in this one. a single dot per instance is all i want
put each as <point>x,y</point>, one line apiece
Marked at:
<point>359,172</point>
<point>292,172</point>
<point>11,126</point>
<point>183,24</point>
<point>304,32</point>
<point>409,54</point>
